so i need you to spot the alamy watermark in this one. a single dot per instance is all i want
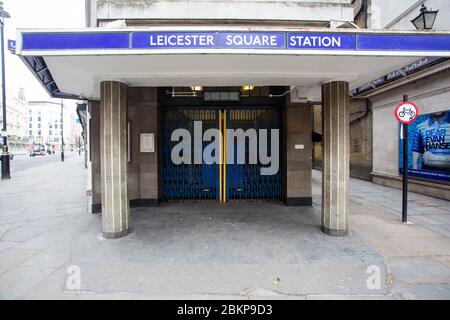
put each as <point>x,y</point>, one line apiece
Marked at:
<point>73,279</point>
<point>373,282</point>
<point>258,145</point>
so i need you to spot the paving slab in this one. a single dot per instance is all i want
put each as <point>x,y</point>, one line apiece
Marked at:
<point>418,270</point>
<point>22,233</point>
<point>445,260</point>
<point>13,257</point>
<point>421,291</point>
<point>15,283</point>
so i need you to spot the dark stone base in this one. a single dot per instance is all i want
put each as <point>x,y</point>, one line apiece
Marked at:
<point>335,233</point>
<point>145,203</point>
<point>136,203</point>
<point>298,202</point>
<point>361,172</point>
<point>115,235</point>
<point>96,208</point>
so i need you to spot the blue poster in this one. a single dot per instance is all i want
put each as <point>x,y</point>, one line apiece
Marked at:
<point>429,147</point>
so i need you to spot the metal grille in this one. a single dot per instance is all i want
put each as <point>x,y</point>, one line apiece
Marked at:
<point>202,182</point>
<point>245,181</point>
<point>188,182</point>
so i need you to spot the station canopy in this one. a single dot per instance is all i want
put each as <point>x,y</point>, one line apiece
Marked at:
<point>72,63</point>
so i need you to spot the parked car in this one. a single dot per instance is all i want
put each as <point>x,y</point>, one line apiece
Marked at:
<point>37,151</point>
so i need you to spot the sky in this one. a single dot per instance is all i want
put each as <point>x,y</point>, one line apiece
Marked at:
<point>36,14</point>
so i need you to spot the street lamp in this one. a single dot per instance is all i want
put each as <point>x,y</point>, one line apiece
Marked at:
<point>425,20</point>
<point>62,130</point>
<point>5,156</point>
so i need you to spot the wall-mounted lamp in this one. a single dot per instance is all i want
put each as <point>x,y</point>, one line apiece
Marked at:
<point>197,88</point>
<point>425,20</point>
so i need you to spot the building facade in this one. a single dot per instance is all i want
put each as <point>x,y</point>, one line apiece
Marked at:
<point>46,127</point>
<point>16,114</point>
<point>213,100</point>
<point>425,82</point>
<point>308,13</point>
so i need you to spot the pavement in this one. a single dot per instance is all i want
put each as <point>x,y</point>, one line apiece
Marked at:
<point>22,162</point>
<point>51,248</point>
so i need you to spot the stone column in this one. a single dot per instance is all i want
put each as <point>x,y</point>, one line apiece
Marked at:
<point>113,153</point>
<point>335,172</point>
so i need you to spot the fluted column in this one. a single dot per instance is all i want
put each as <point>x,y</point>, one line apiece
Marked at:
<point>113,150</point>
<point>335,173</point>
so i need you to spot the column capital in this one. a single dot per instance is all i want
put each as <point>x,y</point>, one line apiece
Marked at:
<point>113,81</point>
<point>334,81</point>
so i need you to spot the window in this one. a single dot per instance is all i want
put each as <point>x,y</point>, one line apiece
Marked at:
<point>39,132</point>
<point>39,118</point>
<point>56,126</point>
<point>39,125</point>
<point>31,126</point>
<point>31,119</point>
<point>50,133</point>
<point>31,133</point>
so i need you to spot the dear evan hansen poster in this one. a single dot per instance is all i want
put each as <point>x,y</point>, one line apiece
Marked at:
<point>429,147</point>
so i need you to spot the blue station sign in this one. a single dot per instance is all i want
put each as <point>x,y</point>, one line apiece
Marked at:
<point>12,45</point>
<point>173,40</point>
<point>139,40</point>
<point>251,40</point>
<point>324,41</point>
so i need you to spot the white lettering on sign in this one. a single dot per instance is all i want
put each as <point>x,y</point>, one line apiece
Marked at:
<point>181,40</point>
<point>251,40</point>
<point>315,41</point>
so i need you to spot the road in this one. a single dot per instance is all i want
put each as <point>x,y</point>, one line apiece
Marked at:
<point>22,162</point>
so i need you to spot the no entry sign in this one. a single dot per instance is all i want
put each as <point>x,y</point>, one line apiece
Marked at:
<point>406,112</point>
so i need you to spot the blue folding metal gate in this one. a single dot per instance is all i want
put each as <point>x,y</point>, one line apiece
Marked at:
<point>244,181</point>
<point>217,181</point>
<point>188,181</point>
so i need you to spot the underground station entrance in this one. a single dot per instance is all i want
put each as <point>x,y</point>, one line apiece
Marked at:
<point>155,136</point>
<point>247,120</point>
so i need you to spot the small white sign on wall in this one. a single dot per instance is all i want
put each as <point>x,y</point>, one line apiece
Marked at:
<point>147,142</point>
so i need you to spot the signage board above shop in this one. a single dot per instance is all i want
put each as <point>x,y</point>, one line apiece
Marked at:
<point>139,40</point>
<point>407,70</point>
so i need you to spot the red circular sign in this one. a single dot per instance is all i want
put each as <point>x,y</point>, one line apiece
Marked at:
<point>406,112</point>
